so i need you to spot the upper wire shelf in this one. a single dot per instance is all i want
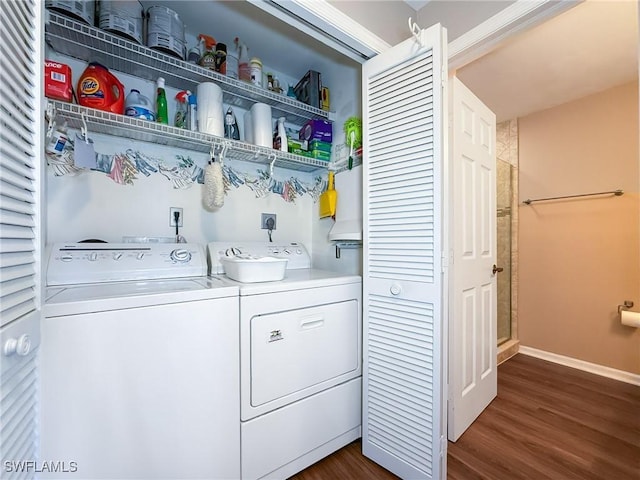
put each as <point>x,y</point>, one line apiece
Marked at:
<point>107,123</point>
<point>78,40</point>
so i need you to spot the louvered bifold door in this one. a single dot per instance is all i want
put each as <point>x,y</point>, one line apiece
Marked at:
<point>21,151</point>
<point>403,344</point>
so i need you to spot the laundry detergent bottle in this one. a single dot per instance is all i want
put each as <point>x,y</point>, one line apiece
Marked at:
<point>99,88</point>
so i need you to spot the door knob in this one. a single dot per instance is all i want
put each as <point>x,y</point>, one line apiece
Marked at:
<point>497,269</point>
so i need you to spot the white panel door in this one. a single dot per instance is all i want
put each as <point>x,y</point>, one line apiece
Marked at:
<point>472,325</point>
<point>403,384</point>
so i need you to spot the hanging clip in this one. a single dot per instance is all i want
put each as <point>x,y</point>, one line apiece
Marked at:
<point>223,152</point>
<point>273,157</point>
<point>51,115</point>
<point>84,130</point>
<point>415,31</point>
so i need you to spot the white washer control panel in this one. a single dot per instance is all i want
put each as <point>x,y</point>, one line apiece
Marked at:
<point>296,253</point>
<point>76,263</point>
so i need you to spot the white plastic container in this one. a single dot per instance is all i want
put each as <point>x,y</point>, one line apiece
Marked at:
<point>165,31</point>
<point>84,11</point>
<point>255,71</point>
<point>254,269</point>
<point>123,17</point>
<point>138,106</point>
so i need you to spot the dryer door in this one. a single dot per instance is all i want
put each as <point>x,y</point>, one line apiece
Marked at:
<point>298,349</point>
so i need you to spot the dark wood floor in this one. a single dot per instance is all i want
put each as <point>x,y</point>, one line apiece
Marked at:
<point>547,422</point>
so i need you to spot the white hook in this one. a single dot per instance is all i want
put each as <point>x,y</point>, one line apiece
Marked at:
<point>84,130</point>
<point>51,114</point>
<point>273,161</point>
<point>415,31</point>
<point>223,152</point>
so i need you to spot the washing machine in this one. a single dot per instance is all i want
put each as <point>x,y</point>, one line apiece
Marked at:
<point>300,359</point>
<point>139,365</point>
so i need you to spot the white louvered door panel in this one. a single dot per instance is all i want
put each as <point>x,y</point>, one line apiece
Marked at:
<point>21,64</point>
<point>403,420</point>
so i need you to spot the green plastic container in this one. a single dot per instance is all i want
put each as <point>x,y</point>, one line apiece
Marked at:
<point>320,145</point>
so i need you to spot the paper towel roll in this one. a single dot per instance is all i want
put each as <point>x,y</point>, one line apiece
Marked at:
<point>210,109</point>
<point>262,125</point>
<point>248,127</point>
<point>630,319</point>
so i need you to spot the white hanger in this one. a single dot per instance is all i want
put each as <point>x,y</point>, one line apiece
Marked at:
<point>416,32</point>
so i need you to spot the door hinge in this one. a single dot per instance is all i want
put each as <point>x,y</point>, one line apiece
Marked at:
<point>443,446</point>
<point>446,261</point>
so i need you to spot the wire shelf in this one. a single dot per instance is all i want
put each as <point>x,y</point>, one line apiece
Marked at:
<point>78,40</point>
<point>107,123</point>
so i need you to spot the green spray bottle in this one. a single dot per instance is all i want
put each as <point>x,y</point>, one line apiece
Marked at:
<point>162,116</point>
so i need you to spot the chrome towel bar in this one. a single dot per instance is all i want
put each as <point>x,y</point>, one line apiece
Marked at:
<point>617,193</point>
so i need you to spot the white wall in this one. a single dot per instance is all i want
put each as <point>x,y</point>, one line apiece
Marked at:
<point>91,205</point>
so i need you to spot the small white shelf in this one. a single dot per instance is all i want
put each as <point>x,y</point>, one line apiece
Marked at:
<point>108,123</point>
<point>78,40</point>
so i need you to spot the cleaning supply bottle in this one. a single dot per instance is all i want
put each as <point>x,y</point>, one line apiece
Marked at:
<point>195,53</point>
<point>280,137</point>
<point>231,125</point>
<point>255,71</point>
<point>208,59</point>
<point>192,119</point>
<point>244,71</point>
<point>138,106</point>
<point>221,58</point>
<point>182,107</point>
<point>232,63</point>
<point>162,116</point>
<point>99,88</point>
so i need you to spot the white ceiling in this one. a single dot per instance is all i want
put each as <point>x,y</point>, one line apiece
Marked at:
<point>416,4</point>
<point>590,48</point>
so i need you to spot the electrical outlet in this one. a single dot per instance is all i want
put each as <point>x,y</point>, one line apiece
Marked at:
<point>268,221</point>
<point>172,218</point>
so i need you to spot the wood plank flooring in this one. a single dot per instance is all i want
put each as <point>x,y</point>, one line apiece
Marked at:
<point>547,422</point>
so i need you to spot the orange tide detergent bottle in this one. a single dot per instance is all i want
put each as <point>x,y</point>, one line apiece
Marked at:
<point>98,88</point>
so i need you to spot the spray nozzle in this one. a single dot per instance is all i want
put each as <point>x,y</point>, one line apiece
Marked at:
<point>183,96</point>
<point>240,46</point>
<point>209,41</point>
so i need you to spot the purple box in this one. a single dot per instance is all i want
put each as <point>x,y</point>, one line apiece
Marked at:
<point>316,130</point>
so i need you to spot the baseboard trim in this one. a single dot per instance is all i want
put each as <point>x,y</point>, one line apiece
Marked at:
<point>507,350</point>
<point>601,370</point>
